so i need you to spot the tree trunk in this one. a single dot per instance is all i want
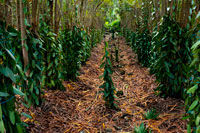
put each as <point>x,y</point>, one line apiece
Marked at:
<point>1,12</point>
<point>81,10</point>
<point>34,16</point>
<point>7,13</point>
<point>18,14</point>
<point>182,13</point>
<point>28,10</point>
<point>38,14</point>
<point>198,5</point>
<point>23,37</point>
<point>187,11</point>
<point>157,6</point>
<point>171,8</point>
<point>163,8</point>
<point>56,17</point>
<point>51,13</point>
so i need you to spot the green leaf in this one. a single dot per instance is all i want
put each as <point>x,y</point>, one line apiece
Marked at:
<point>21,72</point>
<point>18,92</point>
<point>12,117</point>
<point>193,105</point>
<point>167,67</point>
<point>195,45</point>
<point>0,113</point>
<point>19,128</point>
<point>26,115</point>
<point>198,15</point>
<point>8,73</point>
<point>26,22</point>
<point>52,82</point>
<point>197,122</point>
<point>3,94</point>
<point>11,55</point>
<point>198,129</point>
<point>12,34</point>
<point>2,129</point>
<point>189,128</point>
<point>193,89</point>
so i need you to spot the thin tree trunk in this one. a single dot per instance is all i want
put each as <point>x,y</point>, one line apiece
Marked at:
<point>38,14</point>
<point>34,15</point>
<point>163,8</point>
<point>28,10</point>
<point>182,13</point>
<point>177,10</point>
<point>187,11</point>
<point>157,6</point>
<point>56,17</point>
<point>23,37</point>
<point>1,12</point>
<point>18,14</point>
<point>61,14</point>
<point>81,10</point>
<point>198,5</point>
<point>171,8</point>
<point>7,15</point>
<point>51,12</point>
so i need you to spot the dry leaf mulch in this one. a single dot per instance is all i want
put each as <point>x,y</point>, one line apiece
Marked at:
<point>80,109</point>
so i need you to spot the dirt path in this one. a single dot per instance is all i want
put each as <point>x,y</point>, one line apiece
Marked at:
<point>81,109</point>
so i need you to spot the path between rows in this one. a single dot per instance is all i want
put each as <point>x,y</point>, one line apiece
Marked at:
<point>80,109</point>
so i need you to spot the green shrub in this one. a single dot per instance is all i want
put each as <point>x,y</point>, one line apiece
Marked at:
<point>173,58</point>
<point>10,76</point>
<point>142,47</point>
<point>52,59</point>
<point>95,37</point>
<point>32,87</point>
<point>76,48</point>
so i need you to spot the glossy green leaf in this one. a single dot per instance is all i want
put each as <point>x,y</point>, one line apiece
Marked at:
<point>189,128</point>
<point>26,115</point>
<point>18,92</point>
<point>11,55</point>
<point>193,89</point>
<point>3,94</point>
<point>8,73</point>
<point>193,105</point>
<point>12,117</point>
<point>197,122</point>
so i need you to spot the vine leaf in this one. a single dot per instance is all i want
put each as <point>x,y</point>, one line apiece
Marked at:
<point>8,73</point>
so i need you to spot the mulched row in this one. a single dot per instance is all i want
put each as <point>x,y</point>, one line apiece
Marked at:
<point>80,108</point>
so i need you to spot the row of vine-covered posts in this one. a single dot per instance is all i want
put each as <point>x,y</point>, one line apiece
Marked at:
<point>165,35</point>
<point>42,44</point>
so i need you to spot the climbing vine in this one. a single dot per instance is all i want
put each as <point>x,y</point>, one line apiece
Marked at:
<point>108,85</point>
<point>10,76</point>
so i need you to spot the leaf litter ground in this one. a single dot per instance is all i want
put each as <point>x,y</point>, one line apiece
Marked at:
<point>80,109</point>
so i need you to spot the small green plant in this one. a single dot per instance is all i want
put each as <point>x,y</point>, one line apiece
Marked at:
<point>151,114</point>
<point>108,85</point>
<point>142,129</point>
